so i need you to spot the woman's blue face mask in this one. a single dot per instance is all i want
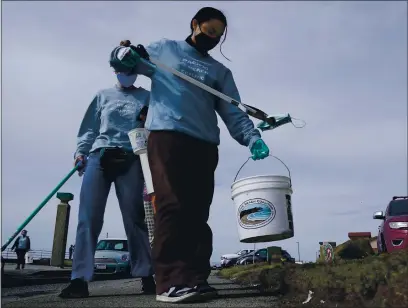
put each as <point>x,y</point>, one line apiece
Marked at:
<point>126,81</point>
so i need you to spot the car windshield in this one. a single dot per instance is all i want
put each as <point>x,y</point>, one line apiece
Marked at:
<point>119,245</point>
<point>262,252</point>
<point>286,254</point>
<point>246,255</point>
<point>398,207</point>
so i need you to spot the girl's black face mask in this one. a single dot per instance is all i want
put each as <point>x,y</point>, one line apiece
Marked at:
<point>205,43</point>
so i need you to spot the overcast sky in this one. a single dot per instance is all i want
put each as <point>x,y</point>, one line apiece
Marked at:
<point>340,66</point>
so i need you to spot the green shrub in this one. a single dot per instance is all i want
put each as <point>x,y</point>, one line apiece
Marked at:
<point>369,281</point>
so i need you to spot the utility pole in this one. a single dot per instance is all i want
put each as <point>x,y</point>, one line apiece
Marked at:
<point>298,251</point>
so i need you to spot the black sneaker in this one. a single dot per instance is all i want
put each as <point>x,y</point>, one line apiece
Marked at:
<point>148,285</point>
<point>179,295</point>
<point>78,288</point>
<point>206,290</point>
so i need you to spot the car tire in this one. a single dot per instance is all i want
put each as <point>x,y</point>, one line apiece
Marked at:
<point>127,273</point>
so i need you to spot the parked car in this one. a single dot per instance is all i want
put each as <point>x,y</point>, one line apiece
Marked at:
<point>228,260</point>
<point>261,255</point>
<point>216,266</point>
<point>393,230</point>
<point>286,257</point>
<point>112,256</point>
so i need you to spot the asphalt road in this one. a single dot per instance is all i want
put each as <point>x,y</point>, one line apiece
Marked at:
<point>127,293</point>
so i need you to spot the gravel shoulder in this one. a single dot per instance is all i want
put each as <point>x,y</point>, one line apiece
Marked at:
<point>127,293</point>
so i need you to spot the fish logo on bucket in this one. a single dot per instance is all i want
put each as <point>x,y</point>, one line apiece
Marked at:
<point>255,213</point>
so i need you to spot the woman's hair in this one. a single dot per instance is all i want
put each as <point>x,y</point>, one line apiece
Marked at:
<point>206,14</point>
<point>125,43</point>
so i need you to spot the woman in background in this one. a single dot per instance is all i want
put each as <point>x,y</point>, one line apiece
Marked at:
<point>106,153</point>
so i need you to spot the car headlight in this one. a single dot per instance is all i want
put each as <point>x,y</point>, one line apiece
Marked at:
<point>124,257</point>
<point>398,225</point>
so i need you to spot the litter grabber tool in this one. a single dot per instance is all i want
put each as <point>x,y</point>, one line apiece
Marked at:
<point>139,53</point>
<point>132,55</point>
<point>41,205</point>
<point>269,122</point>
<point>250,110</point>
<point>280,120</point>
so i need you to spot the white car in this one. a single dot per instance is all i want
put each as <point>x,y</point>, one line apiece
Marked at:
<point>231,258</point>
<point>112,256</point>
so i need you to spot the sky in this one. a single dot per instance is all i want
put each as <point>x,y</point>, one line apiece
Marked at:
<point>339,66</point>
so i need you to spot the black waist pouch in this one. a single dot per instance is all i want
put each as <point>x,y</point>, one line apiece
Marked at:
<point>115,161</point>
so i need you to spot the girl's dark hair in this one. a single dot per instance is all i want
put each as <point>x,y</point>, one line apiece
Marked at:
<point>125,43</point>
<point>206,14</point>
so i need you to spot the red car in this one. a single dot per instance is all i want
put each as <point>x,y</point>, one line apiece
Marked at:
<point>393,231</point>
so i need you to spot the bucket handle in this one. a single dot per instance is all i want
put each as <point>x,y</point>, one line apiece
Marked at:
<point>287,168</point>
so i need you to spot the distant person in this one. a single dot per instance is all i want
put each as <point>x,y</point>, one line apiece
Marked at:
<point>70,251</point>
<point>21,246</point>
<point>103,146</point>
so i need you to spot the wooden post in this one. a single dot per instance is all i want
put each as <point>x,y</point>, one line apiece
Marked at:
<point>61,230</point>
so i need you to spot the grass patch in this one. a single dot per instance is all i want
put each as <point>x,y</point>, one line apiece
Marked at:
<point>372,281</point>
<point>246,274</point>
<point>67,263</point>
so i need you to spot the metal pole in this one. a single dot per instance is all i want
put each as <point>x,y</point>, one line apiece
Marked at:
<point>298,251</point>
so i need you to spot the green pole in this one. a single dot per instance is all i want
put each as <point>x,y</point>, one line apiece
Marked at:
<point>42,204</point>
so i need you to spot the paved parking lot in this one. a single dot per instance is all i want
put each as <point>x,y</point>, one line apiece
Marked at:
<point>127,293</point>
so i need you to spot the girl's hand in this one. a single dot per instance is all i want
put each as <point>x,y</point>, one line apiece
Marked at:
<point>81,159</point>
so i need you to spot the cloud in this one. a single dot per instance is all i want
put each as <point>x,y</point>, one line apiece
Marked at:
<point>340,66</point>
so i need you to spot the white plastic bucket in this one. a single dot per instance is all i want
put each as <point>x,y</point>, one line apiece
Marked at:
<point>138,140</point>
<point>263,207</point>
